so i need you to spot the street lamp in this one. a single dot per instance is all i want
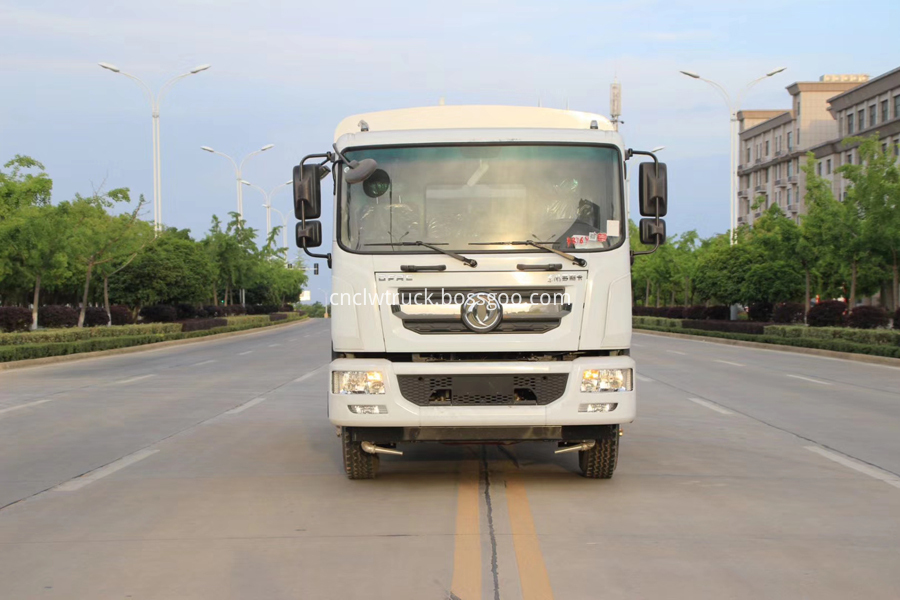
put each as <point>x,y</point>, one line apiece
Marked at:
<point>154,112</point>
<point>733,108</point>
<point>268,204</point>
<point>237,171</point>
<point>283,229</point>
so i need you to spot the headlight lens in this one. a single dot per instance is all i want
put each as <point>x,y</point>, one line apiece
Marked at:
<point>357,382</point>
<point>606,380</point>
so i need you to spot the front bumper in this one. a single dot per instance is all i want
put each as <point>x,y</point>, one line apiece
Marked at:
<point>403,413</point>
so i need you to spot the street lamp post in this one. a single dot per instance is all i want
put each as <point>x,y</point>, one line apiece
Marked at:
<point>268,196</point>
<point>733,108</point>
<point>283,229</point>
<point>238,167</point>
<point>155,101</point>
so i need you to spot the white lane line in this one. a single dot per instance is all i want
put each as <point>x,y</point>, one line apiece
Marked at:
<point>676,352</point>
<point>636,345</point>
<point>810,379</point>
<point>644,379</point>
<point>133,379</point>
<point>244,406</point>
<point>274,345</point>
<point>308,375</point>
<point>244,353</point>
<point>205,362</point>
<point>27,405</point>
<point>80,482</point>
<point>874,472</point>
<point>711,406</point>
<point>728,362</point>
<point>293,339</point>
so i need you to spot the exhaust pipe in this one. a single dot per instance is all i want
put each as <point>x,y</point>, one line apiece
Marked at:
<point>579,447</point>
<point>373,449</point>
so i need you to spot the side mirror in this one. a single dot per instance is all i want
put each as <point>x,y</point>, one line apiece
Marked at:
<point>653,190</point>
<point>309,235</point>
<point>307,191</point>
<point>651,232</point>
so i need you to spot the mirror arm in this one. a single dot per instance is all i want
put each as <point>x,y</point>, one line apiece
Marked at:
<point>631,152</point>
<point>327,256</point>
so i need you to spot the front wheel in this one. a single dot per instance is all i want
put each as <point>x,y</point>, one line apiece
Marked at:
<point>599,461</point>
<point>358,464</point>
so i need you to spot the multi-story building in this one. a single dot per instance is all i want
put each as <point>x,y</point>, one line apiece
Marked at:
<point>772,144</point>
<point>873,107</point>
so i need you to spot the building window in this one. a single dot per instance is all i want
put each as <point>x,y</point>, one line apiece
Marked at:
<point>767,175</point>
<point>873,115</point>
<point>789,197</point>
<point>767,148</point>
<point>790,169</point>
<point>850,123</point>
<point>798,137</point>
<point>790,141</point>
<point>819,169</point>
<point>828,167</point>
<point>861,119</point>
<point>897,107</point>
<point>748,154</point>
<point>849,159</point>
<point>885,114</point>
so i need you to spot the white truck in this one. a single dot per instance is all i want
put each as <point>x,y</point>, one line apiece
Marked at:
<point>481,278</point>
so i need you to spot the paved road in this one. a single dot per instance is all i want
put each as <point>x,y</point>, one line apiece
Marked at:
<point>210,471</point>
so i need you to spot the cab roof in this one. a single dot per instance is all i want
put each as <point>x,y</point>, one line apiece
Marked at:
<point>471,117</point>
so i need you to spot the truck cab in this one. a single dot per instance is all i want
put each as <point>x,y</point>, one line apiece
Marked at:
<point>481,279</point>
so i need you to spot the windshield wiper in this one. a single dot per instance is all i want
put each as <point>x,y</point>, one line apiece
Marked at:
<point>467,261</point>
<point>575,260</point>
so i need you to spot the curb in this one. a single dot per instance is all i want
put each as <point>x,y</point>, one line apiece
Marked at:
<point>863,358</point>
<point>50,360</point>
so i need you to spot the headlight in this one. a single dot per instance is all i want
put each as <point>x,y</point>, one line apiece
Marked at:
<point>357,382</point>
<point>606,380</point>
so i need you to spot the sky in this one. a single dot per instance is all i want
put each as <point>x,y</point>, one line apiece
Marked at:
<point>285,73</point>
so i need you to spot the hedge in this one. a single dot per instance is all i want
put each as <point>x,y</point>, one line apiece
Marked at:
<point>745,327</point>
<point>836,345</point>
<point>15,318</point>
<point>656,322</point>
<point>240,319</point>
<point>202,324</point>
<point>26,351</point>
<point>44,336</point>
<point>54,316</point>
<point>868,317</point>
<point>859,336</point>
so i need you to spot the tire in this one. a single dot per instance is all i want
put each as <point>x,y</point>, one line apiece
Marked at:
<point>357,463</point>
<point>600,461</point>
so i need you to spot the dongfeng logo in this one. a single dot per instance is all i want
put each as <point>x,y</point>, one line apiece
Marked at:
<point>481,312</point>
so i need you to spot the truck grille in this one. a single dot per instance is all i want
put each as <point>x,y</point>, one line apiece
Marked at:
<point>482,390</point>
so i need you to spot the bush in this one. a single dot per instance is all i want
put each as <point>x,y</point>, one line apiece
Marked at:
<point>826,314</point>
<point>674,312</point>
<point>897,319</point>
<point>159,313</point>
<point>121,315</point>
<point>697,312</point>
<point>202,324</point>
<point>185,311</point>
<point>211,311</point>
<point>261,309</point>
<point>655,322</point>
<point>859,336</point>
<point>15,318</point>
<point>868,317</point>
<point>55,316</point>
<point>286,308</point>
<point>253,320</point>
<point>717,313</point>
<point>788,312</point>
<point>234,309</point>
<point>745,327</point>
<point>760,312</point>
<point>95,316</point>
<point>74,334</point>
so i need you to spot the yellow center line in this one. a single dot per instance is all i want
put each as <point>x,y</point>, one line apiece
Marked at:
<point>466,583</point>
<point>533,576</point>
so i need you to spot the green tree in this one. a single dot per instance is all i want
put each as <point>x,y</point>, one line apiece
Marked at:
<point>22,187</point>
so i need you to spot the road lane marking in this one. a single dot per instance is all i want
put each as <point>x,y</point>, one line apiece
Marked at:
<point>205,362</point>
<point>133,379</point>
<point>676,352</point>
<point>466,583</point>
<point>728,362</point>
<point>27,405</point>
<point>308,375</point>
<point>644,379</point>
<point>244,406</point>
<point>633,345</point>
<point>244,353</point>
<point>810,379</point>
<point>874,472</point>
<point>711,406</point>
<point>274,345</point>
<point>89,478</point>
<point>533,578</point>
<point>293,339</point>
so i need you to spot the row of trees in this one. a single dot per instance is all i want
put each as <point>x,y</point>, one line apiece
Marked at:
<point>83,251</point>
<point>845,247</point>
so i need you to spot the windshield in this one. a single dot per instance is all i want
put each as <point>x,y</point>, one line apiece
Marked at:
<point>481,197</point>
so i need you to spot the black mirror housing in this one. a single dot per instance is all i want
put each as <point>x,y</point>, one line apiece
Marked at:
<point>653,188</point>
<point>308,191</point>
<point>651,232</point>
<point>309,235</point>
